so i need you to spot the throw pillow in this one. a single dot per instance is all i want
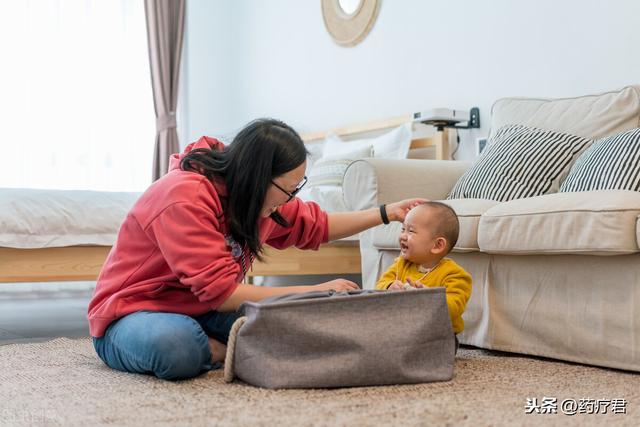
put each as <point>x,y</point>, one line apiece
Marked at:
<point>392,145</point>
<point>611,163</point>
<point>315,150</point>
<point>520,162</point>
<point>330,169</point>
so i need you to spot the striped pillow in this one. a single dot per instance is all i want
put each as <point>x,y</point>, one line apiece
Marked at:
<point>611,163</point>
<point>520,162</point>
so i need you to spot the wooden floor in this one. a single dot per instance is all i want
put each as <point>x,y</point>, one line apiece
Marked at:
<point>33,312</point>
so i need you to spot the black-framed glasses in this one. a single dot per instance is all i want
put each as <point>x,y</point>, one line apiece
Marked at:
<point>294,192</point>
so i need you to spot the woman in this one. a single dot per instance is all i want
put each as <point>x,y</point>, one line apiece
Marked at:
<point>168,293</point>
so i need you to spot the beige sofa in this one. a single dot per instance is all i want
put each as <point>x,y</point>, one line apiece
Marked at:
<point>556,275</point>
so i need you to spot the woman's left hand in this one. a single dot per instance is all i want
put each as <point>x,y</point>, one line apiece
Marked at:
<point>398,211</point>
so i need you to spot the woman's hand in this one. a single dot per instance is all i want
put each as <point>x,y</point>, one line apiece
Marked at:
<point>398,210</point>
<point>343,224</point>
<point>338,285</point>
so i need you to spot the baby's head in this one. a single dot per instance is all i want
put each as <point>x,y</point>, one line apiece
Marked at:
<point>429,232</point>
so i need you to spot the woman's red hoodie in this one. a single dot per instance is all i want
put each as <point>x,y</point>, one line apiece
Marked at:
<point>171,254</point>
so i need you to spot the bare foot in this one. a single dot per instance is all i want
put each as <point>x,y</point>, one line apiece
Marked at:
<point>218,350</point>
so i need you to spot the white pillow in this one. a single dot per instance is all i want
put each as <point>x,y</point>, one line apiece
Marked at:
<point>315,153</point>
<point>330,169</point>
<point>391,145</point>
<point>329,197</point>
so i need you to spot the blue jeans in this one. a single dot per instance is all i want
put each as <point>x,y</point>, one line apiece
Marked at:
<point>170,346</point>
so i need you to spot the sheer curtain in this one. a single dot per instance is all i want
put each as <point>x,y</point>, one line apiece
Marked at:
<point>76,107</point>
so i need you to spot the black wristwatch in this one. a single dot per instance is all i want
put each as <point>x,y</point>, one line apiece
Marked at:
<point>383,214</point>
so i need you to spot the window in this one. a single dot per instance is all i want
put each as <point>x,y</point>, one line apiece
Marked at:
<point>76,105</point>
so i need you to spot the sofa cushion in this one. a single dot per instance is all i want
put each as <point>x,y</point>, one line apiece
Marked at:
<point>590,222</point>
<point>520,162</point>
<point>468,211</point>
<point>611,163</point>
<point>590,116</point>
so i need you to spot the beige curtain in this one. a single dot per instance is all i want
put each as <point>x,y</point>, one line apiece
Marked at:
<point>165,31</point>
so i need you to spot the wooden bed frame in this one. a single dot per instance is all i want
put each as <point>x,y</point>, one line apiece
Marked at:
<point>84,262</point>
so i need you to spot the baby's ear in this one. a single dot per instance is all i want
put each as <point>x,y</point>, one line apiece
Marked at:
<point>439,246</point>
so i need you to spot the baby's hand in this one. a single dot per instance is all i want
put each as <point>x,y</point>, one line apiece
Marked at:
<point>397,285</point>
<point>415,284</point>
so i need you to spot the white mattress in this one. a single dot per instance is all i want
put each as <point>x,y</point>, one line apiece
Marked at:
<point>31,219</point>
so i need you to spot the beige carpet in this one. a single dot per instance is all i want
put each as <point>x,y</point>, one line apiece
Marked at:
<point>62,382</point>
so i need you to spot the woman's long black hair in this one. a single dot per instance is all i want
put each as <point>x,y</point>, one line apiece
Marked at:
<point>260,152</point>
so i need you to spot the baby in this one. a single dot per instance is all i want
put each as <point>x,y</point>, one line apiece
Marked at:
<point>429,232</point>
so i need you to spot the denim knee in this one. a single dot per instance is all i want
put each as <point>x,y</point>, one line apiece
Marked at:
<point>168,345</point>
<point>181,354</point>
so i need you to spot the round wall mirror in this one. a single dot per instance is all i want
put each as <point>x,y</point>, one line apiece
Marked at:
<point>349,21</point>
<point>349,7</point>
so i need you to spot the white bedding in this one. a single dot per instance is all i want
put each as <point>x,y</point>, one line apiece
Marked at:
<point>31,219</point>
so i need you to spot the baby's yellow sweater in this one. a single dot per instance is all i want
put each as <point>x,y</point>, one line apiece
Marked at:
<point>447,273</point>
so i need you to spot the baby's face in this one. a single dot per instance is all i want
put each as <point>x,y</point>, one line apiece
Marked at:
<point>418,243</point>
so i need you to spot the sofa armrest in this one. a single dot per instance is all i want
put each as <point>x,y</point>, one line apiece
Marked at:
<point>370,182</point>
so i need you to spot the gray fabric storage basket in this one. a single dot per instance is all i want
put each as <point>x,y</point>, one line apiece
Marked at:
<point>330,339</point>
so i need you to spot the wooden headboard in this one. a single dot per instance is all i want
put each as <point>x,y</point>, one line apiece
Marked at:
<point>423,136</point>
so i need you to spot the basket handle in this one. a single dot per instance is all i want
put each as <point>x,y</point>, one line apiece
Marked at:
<point>231,348</point>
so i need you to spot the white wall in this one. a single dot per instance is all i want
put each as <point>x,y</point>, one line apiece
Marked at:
<point>252,58</point>
<point>205,92</point>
